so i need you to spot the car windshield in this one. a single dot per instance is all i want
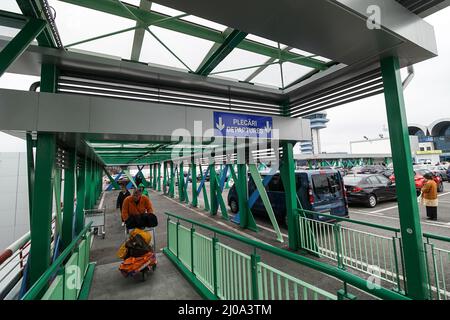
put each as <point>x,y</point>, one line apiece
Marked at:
<point>422,171</point>
<point>326,183</point>
<point>352,180</point>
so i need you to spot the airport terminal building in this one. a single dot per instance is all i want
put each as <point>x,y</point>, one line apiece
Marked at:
<point>434,139</point>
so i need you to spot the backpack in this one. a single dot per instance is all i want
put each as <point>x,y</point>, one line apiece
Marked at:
<point>137,247</point>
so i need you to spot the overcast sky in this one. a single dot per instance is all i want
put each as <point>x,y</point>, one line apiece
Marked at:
<point>427,96</point>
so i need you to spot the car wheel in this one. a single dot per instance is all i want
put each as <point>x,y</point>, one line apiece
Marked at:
<point>440,187</point>
<point>234,206</point>
<point>372,201</point>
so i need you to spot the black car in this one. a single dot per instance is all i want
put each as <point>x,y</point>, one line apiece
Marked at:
<point>369,189</point>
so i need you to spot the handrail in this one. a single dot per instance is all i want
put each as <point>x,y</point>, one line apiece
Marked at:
<point>379,226</point>
<point>368,224</point>
<point>436,237</point>
<point>319,266</point>
<point>13,247</point>
<point>39,285</point>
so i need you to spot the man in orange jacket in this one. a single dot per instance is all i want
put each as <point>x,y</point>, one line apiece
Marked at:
<point>137,211</point>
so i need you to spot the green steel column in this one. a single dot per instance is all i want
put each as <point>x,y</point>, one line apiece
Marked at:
<point>158,177</point>
<point>194,183</point>
<point>41,218</point>
<point>81,191</point>
<point>69,193</point>
<point>87,177</point>
<point>172,180</point>
<point>181,182</point>
<point>245,215</point>
<point>287,170</point>
<point>411,232</point>
<point>30,172</point>
<point>214,204</point>
<point>155,176</point>
<point>164,188</point>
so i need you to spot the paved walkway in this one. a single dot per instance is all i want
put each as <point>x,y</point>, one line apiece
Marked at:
<point>167,282</point>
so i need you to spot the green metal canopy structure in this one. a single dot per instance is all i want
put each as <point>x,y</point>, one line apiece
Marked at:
<point>118,78</point>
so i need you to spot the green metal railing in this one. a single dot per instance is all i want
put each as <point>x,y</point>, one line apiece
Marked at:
<point>377,252</point>
<point>374,254</point>
<point>219,271</point>
<point>70,267</point>
<point>438,267</point>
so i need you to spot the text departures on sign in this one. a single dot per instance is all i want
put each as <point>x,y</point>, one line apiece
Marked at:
<point>242,125</point>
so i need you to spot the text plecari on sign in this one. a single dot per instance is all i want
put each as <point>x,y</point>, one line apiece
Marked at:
<point>242,125</point>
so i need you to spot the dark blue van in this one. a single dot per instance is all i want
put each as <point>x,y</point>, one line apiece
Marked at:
<point>318,190</point>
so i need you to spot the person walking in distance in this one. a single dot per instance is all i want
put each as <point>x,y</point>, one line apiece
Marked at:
<point>124,193</point>
<point>429,197</point>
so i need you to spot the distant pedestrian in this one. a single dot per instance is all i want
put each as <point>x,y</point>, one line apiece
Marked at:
<point>429,196</point>
<point>124,193</point>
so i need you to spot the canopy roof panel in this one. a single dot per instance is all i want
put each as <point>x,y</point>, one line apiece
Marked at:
<point>194,45</point>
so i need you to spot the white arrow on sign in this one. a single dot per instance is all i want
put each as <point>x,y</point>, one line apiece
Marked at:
<point>220,125</point>
<point>267,127</point>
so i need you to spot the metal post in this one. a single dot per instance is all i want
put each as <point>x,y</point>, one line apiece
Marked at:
<point>181,182</point>
<point>172,180</point>
<point>69,192</point>
<point>154,176</point>
<point>214,204</point>
<point>158,177</point>
<point>41,218</point>
<point>81,191</point>
<point>287,171</point>
<point>214,246</point>
<point>164,188</point>
<point>242,191</point>
<point>194,183</point>
<point>30,172</point>
<point>87,168</point>
<point>254,260</point>
<point>411,232</point>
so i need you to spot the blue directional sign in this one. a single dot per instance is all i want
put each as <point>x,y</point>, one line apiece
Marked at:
<point>242,125</point>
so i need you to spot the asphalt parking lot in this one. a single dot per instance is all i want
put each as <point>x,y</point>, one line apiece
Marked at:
<point>385,213</point>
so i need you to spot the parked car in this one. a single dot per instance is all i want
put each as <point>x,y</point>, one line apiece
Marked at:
<point>419,180</point>
<point>317,190</point>
<point>439,170</point>
<point>448,174</point>
<point>369,189</point>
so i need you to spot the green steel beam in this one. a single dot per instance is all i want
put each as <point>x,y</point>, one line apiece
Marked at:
<point>20,43</point>
<point>35,9</point>
<point>113,182</point>
<point>411,232</point>
<point>69,193</point>
<point>12,20</point>
<point>230,42</point>
<point>41,218</point>
<point>263,67</point>
<point>192,29</point>
<point>139,33</point>
<point>265,199</point>
<point>287,171</point>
